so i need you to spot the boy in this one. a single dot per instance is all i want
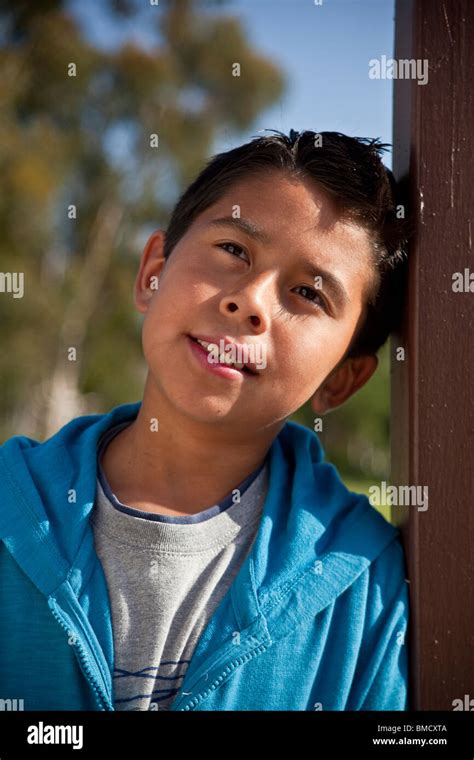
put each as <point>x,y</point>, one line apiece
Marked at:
<point>193,551</point>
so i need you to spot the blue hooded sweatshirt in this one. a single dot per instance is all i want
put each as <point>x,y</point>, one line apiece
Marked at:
<point>315,618</point>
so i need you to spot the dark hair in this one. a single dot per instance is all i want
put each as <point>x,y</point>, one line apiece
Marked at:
<point>352,173</point>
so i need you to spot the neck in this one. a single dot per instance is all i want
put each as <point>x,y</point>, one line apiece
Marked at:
<point>180,463</point>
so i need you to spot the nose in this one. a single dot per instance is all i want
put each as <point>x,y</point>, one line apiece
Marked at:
<point>251,303</point>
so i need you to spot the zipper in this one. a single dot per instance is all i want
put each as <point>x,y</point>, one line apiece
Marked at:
<point>83,655</point>
<point>232,665</point>
<point>257,641</point>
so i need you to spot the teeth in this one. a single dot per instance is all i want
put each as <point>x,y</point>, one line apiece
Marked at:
<point>223,358</point>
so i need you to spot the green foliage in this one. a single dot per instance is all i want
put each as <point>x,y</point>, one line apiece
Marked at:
<point>57,137</point>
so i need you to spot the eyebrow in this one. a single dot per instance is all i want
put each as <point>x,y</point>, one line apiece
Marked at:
<point>244,225</point>
<point>333,283</point>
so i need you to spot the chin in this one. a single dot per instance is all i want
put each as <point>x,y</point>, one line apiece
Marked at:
<point>190,402</point>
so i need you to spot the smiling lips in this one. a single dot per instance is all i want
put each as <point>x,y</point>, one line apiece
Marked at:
<point>222,358</point>
<point>200,344</point>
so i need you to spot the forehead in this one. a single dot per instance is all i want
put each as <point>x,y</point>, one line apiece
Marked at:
<point>296,216</point>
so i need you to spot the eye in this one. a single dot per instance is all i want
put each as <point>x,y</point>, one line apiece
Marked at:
<point>234,246</point>
<point>321,304</point>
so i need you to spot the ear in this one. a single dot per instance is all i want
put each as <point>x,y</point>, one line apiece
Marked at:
<point>343,382</point>
<point>151,264</point>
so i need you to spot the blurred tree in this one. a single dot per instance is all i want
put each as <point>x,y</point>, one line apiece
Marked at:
<point>83,186</point>
<point>84,141</point>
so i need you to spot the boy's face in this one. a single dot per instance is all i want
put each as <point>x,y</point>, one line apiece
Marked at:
<point>221,281</point>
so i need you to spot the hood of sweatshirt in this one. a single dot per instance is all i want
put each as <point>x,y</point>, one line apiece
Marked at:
<point>314,540</point>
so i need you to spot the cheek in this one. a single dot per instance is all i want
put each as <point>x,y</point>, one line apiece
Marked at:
<point>161,326</point>
<point>296,362</point>
<point>307,357</point>
<point>172,310</point>
<point>187,285</point>
<point>151,336</point>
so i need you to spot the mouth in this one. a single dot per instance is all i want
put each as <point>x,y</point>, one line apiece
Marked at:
<point>200,347</point>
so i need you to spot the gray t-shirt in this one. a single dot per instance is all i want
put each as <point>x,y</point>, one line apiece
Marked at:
<point>165,577</point>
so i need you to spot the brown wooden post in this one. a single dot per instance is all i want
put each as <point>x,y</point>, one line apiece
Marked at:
<point>432,389</point>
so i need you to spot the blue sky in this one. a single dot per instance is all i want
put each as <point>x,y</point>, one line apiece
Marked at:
<point>324,51</point>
